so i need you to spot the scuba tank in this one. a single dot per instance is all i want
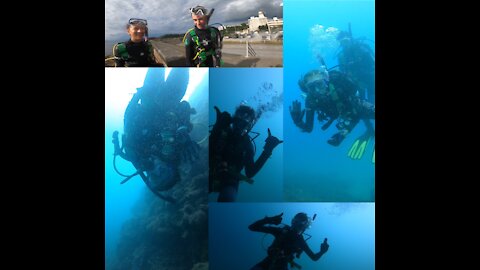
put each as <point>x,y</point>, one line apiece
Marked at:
<point>217,56</point>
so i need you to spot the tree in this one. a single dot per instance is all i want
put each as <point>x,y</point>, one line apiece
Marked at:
<point>263,28</point>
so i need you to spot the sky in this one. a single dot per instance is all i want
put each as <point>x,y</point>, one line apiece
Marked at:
<point>173,17</point>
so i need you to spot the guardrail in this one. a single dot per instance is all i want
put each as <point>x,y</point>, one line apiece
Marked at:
<point>249,50</point>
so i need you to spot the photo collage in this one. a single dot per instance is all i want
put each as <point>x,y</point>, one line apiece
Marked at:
<point>239,134</point>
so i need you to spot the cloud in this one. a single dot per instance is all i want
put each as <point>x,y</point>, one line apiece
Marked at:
<point>169,16</point>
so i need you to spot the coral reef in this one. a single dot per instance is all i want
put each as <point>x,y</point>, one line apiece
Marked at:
<point>162,235</point>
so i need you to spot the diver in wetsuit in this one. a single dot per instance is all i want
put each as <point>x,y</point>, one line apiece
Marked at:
<point>288,244</point>
<point>231,150</point>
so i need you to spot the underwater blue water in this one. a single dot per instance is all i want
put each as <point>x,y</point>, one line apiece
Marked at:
<point>120,85</point>
<point>314,170</point>
<point>349,228</point>
<point>228,88</point>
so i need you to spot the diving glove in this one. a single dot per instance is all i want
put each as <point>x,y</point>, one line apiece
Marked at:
<point>296,112</point>
<point>274,220</point>
<point>336,139</point>
<point>324,246</point>
<point>224,119</point>
<point>271,142</point>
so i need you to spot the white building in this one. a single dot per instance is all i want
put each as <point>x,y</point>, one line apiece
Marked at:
<point>255,22</point>
<point>275,23</point>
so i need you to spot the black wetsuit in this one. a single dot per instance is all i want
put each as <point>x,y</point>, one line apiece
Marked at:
<point>229,154</point>
<point>208,42</point>
<point>139,55</point>
<point>286,245</point>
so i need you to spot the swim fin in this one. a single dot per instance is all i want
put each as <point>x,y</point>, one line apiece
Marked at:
<point>358,148</point>
<point>373,157</point>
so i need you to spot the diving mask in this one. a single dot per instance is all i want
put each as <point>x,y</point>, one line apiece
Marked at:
<point>199,10</point>
<point>137,21</point>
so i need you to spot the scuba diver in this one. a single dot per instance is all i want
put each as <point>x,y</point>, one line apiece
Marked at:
<point>288,243</point>
<point>357,60</point>
<point>231,150</point>
<point>138,51</point>
<point>203,43</point>
<point>156,131</point>
<point>334,97</point>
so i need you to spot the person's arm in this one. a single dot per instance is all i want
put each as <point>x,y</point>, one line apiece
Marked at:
<point>189,50</point>
<point>315,256</point>
<point>119,62</point>
<point>221,128</point>
<point>307,126</point>
<point>222,122</point>
<point>252,168</point>
<point>260,225</point>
